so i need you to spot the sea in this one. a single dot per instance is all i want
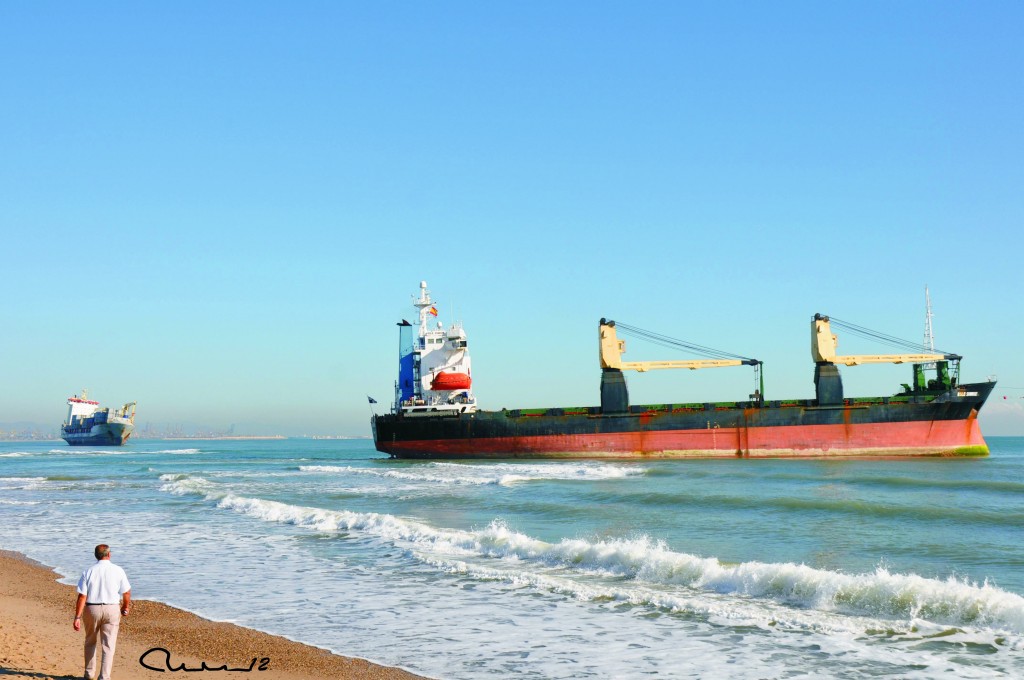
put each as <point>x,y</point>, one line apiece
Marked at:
<point>909,568</point>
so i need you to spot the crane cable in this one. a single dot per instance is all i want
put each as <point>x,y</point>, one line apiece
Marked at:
<point>674,343</point>
<point>883,338</point>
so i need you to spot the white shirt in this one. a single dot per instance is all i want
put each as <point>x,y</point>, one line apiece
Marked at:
<point>103,583</point>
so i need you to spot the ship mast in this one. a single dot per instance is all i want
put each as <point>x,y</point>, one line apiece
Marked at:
<point>425,305</point>
<point>929,335</point>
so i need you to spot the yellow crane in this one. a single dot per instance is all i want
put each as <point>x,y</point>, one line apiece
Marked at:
<point>824,343</point>
<point>612,350</point>
<point>828,384</point>
<point>614,395</point>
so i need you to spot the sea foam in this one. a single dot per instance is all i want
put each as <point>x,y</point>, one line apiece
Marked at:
<point>503,474</point>
<point>663,575</point>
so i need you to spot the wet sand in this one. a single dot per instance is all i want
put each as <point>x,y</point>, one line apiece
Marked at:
<point>37,640</point>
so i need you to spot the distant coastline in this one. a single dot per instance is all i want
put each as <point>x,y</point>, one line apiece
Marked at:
<point>215,437</point>
<point>247,437</point>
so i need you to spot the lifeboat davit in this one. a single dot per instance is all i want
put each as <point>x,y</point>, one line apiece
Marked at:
<point>450,381</point>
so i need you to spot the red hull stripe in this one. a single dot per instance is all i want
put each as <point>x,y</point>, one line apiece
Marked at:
<point>913,438</point>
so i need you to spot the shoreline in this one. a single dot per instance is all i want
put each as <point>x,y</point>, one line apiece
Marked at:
<point>37,640</point>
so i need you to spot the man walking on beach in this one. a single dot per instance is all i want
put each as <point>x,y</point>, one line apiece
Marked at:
<point>101,588</point>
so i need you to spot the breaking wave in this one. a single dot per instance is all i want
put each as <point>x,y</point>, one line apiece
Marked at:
<point>79,450</point>
<point>502,474</point>
<point>648,572</point>
<point>20,483</point>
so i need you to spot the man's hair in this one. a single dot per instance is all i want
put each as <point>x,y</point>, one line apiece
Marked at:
<point>101,551</point>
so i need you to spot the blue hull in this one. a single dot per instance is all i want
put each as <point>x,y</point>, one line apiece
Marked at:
<point>106,436</point>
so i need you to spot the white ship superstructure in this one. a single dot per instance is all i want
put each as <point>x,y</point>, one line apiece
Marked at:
<point>89,425</point>
<point>435,370</point>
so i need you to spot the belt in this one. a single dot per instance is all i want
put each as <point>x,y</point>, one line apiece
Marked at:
<point>100,604</point>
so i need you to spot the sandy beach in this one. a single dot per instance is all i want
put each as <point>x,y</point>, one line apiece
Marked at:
<point>37,640</point>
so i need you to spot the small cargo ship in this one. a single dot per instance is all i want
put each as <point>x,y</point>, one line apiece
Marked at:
<point>89,425</point>
<point>435,414</point>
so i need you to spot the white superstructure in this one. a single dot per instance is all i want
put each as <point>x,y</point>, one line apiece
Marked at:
<point>441,368</point>
<point>81,407</point>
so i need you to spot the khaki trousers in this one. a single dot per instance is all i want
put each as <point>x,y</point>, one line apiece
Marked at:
<point>101,622</point>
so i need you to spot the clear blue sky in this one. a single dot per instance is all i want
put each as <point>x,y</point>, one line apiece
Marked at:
<point>221,209</point>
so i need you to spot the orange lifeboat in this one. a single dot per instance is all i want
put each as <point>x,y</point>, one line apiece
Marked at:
<point>450,381</point>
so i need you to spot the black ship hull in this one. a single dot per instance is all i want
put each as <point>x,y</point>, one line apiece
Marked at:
<point>943,424</point>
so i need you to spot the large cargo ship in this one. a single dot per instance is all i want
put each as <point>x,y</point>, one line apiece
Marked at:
<point>89,425</point>
<point>435,414</point>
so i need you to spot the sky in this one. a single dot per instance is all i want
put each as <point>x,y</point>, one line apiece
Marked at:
<point>221,210</point>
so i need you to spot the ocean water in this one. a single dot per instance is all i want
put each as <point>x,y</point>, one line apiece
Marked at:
<point>675,569</point>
